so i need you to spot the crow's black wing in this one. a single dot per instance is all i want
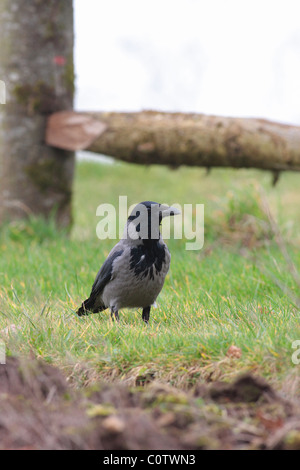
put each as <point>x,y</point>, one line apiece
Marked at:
<point>93,303</point>
<point>104,274</point>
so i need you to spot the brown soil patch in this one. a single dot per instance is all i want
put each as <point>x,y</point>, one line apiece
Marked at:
<point>39,410</point>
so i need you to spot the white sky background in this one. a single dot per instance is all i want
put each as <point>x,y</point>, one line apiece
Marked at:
<point>223,57</point>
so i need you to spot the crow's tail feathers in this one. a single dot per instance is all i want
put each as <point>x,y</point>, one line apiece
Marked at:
<point>90,306</point>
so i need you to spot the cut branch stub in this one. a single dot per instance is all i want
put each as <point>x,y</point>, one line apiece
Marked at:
<point>73,131</point>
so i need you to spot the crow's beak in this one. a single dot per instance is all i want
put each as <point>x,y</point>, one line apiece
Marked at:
<point>167,211</point>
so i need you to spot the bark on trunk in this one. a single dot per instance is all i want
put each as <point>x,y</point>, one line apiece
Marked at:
<point>36,64</point>
<point>180,139</point>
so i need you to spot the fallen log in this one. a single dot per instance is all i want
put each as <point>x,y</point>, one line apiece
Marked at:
<point>175,139</point>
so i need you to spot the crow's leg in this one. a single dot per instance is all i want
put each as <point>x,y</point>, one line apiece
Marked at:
<point>146,314</point>
<point>114,314</point>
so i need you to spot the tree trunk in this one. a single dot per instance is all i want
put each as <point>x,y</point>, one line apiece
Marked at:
<point>36,64</point>
<point>180,139</point>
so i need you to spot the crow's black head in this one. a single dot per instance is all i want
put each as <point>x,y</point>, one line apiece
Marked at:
<point>145,219</point>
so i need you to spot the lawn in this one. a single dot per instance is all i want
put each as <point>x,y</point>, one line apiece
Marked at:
<point>238,290</point>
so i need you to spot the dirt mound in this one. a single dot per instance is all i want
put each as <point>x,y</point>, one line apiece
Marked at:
<point>39,410</point>
<point>34,379</point>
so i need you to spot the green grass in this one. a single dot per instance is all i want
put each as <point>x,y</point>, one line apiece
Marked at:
<point>219,296</point>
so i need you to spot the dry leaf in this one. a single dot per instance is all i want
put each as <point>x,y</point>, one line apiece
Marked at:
<point>234,352</point>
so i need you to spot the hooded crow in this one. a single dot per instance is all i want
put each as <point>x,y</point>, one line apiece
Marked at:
<point>134,272</point>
